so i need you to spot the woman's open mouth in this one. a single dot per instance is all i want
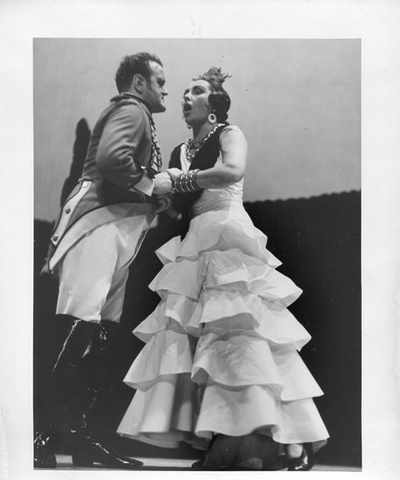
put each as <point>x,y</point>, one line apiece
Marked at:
<point>187,108</point>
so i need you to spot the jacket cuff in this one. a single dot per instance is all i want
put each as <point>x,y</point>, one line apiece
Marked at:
<point>145,185</point>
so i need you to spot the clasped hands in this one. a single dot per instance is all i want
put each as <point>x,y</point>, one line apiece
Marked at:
<point>164,188</point>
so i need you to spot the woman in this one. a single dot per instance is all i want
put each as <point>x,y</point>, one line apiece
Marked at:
<point>220,369</point>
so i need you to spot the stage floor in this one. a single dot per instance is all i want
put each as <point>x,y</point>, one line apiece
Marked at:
<point>64,462</point>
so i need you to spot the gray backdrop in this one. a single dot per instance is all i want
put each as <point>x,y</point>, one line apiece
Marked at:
<point>298,102</point>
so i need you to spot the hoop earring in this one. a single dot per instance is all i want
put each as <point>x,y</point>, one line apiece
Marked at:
<point>212,118</point>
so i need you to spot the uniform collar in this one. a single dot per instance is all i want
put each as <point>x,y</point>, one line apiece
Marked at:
<point>125,95</point>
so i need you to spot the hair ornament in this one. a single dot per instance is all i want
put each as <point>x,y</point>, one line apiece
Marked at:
<point>214,74</point>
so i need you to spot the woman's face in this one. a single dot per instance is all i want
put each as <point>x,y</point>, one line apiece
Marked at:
<point>195,102</point>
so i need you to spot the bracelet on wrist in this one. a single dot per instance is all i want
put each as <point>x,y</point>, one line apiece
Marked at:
<point>186,182</point>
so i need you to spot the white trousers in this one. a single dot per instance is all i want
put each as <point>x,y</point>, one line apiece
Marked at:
<point>94,272</point>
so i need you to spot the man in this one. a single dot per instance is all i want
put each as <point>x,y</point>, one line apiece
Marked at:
<point>97,235</point>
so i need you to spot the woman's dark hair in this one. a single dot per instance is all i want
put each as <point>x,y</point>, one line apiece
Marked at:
<point>219,98</point>
<point>131,65</point>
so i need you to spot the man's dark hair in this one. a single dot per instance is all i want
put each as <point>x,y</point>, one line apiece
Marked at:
<point>131,65</point>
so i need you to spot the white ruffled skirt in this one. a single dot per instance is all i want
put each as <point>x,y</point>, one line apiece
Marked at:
<point>221,348</point>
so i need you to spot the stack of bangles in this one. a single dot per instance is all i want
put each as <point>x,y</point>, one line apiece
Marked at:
<point>186,182</point>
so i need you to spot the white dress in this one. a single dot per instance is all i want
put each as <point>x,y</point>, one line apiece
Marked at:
<point>221,348</point>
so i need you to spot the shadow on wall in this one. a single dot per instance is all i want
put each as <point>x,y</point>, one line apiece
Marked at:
<point>45,288</point>
<point>318,241</point>
<point>82,137</point>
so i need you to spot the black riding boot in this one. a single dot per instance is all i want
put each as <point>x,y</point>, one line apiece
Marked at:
<point>69,341</point>
<point>94,433</point>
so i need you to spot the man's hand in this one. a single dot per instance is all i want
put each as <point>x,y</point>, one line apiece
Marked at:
<point>174,173</point>
<point>163,203</point>
<point>162,184</point>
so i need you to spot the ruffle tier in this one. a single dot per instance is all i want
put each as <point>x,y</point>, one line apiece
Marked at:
<point>221,353</point>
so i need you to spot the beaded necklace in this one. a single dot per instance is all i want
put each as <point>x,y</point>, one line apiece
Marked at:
<point>192,146</point>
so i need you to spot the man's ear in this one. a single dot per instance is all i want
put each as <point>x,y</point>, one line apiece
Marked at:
<point>138,82</point>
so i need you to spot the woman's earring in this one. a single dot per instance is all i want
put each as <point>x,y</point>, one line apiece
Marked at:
<point>212,118</point>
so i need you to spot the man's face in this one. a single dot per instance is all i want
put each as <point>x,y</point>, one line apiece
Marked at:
<point>155,91</point>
